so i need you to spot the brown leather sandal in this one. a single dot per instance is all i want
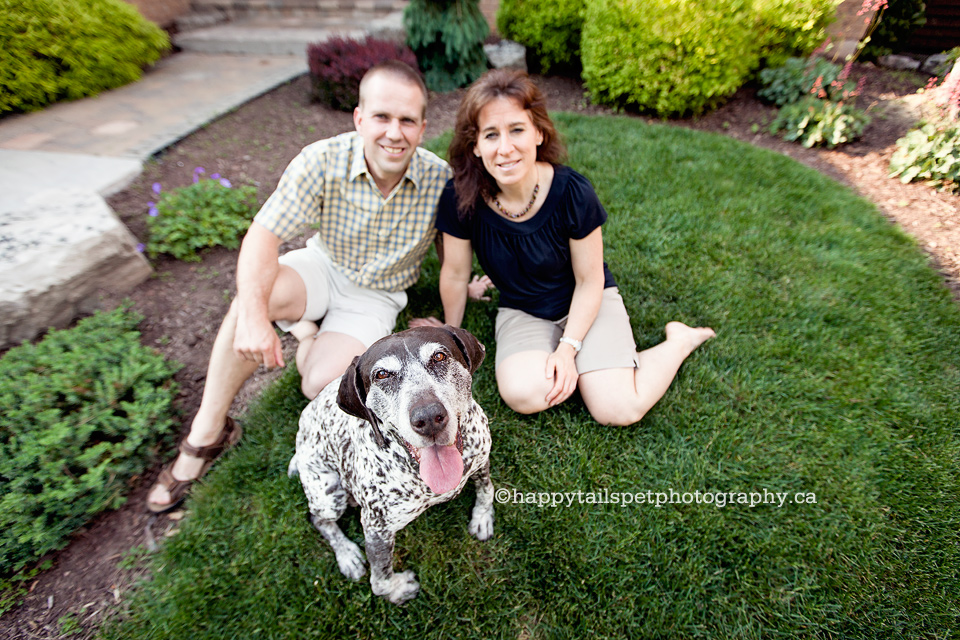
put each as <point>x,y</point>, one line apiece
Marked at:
<point>178,488</point>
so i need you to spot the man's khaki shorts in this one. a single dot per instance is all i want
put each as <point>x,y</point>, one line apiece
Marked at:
<point>609,343</point>
<point>365,314</point>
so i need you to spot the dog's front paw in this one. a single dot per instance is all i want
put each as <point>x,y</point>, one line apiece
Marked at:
<point>351,561</point>
<point>481,523</point>
<point>400,588</point>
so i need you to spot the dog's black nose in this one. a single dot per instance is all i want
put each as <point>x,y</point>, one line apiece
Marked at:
<point>428,418</point>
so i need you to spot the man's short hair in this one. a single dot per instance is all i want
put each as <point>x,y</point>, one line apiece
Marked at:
<point>399,71</point>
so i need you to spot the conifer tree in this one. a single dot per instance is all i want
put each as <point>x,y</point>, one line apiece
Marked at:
<point>447,37</point>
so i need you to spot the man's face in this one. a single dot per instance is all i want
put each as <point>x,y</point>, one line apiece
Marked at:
<point>390,121</point>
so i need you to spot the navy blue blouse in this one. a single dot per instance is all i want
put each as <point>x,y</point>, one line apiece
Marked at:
<point>529,261</point>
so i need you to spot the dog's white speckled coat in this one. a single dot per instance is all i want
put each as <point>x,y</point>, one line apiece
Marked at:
<point>399,380</point>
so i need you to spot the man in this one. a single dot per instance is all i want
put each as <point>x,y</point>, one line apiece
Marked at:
<point>371,194</point>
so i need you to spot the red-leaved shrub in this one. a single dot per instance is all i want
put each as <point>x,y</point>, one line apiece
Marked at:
<point>337,65</point>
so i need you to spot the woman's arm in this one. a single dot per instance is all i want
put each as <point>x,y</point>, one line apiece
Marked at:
<point>454,278</point>
<point>586,256</point>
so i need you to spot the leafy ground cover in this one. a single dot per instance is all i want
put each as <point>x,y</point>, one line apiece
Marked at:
<point>91,579</point>
<point>831,377</point>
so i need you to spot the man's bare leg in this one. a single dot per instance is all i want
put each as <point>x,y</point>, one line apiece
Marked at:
<point>328,356</point>
<point>226,374</point>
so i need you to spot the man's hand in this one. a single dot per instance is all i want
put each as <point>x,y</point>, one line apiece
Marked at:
<point>256,341</point>
<point>478,286</point>
<point>425,322</point>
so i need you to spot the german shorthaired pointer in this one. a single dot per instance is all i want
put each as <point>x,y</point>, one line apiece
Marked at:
<point>413,437</point>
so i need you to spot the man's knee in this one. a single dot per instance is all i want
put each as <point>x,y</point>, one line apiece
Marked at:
<point>288,296</point>
<point>313,381</point>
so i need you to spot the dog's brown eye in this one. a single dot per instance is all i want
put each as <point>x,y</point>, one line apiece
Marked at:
<point>439,356</point>
<point>381,374</point>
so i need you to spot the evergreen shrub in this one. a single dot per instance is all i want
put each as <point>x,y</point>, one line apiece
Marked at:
<point>669,57</point>
<point>791,28</point>
<point>550,29</point>
<point>67,49</point>
<point>447,38</point>
<point>337,65</point>
<point>83,411</point>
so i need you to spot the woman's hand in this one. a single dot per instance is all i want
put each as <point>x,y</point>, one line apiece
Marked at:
<point>478,286</point>
<point>424,322</point>
<point>563,369</point>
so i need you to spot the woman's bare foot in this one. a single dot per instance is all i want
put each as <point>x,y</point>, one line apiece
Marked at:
<point>689,337</point>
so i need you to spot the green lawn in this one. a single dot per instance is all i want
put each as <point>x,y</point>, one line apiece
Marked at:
<point>835,372</point>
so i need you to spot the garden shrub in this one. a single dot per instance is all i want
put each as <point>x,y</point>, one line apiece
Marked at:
<point>792,28</point>
<point>550,30</point>
<point>68,49</point>
<point>211,212</point>
<point>447,38</point>
<point>813,121</point>
<point>897,22</point>
<point>83,410</point>
<point>338,64</point>
<point>800,77</point>
<point>670,57</point>
<point>930,153</point>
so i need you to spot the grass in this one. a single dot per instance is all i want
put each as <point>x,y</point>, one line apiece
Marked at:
<point>835,373</point>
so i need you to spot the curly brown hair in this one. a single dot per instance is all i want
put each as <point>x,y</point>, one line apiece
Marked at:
<point>470,179</point>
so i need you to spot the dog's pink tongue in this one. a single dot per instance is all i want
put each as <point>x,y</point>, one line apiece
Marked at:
<point>441,467</point>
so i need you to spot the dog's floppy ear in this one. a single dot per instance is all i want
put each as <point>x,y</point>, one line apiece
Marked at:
<point>473,352</point>
<point>352,398</point>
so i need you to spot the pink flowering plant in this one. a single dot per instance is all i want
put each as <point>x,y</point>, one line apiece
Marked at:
<point>816,97</point>
<point>211,212</point>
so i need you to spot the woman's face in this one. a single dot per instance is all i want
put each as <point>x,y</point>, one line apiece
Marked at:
<point>507,142</point>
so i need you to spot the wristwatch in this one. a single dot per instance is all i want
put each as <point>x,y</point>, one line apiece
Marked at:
<point>576,344</point>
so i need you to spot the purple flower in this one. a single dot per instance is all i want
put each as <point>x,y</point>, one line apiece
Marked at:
<point>157,187</point>
<point>141,247</point>
<point>199,170</point>
<point>214,176</point>
<point>152,209</point>
<point>225,183</point>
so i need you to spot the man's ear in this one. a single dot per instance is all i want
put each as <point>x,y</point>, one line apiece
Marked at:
<point>357,117</point>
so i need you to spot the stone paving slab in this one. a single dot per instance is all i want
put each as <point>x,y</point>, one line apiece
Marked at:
<point>290,36</point>
<point>180,94</point>
<point>24,174</point>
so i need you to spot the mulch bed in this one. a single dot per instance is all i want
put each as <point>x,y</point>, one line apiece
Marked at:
<point>183,304</point>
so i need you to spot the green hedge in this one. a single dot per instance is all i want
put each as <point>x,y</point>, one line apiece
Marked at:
<point>678,57</point>
<point>82,412</point>
<point>550,29</point>
<point>671,57</point>
<point>788,28</point>
<point>66,49</point>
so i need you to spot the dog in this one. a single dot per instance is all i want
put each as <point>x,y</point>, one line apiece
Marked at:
<point>409,436</point>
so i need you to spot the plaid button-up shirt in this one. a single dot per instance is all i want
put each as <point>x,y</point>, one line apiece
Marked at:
<point>377,242</point>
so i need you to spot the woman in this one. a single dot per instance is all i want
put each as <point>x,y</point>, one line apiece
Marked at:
<point>535,226</point>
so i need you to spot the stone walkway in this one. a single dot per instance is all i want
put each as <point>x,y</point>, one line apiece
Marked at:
<point>56,163</point>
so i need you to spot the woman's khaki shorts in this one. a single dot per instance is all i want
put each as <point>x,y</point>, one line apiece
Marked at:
<point>609,343</point>
<point>364,314</point>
